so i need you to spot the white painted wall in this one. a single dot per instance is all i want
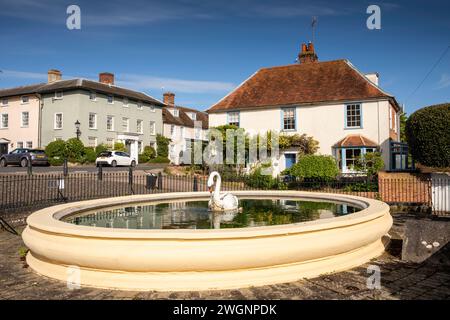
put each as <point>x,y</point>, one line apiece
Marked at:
<point>326,123</point>
<point>178,142</point>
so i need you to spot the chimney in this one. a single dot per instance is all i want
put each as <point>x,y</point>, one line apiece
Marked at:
<point>373,77</point>
<point>307,55</point>
<point>53,75</point>
<point>169,98</point>
<point>106,78</point>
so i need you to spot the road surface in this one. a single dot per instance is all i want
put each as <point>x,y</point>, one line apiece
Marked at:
<point>90,168</point>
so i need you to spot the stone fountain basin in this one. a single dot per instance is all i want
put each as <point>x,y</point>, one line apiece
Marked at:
<point>183,260</point>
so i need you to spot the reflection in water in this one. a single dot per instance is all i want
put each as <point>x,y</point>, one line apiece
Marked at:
<point>195,215</point>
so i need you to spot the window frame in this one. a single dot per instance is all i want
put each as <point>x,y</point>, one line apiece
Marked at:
<point>25,96</point>
<point>21,119</point>
<point>125,105</point>
<point>5,104</point>
<point>110,96</point>
<point>1,120</point>
<point>234,113</point>
<point>29,144</point>
<point>95,121</point>
<point>112,122</point>
<point>141,122</point>
<point>56,95</point>
<point>152,127</point>
<point>346,116</point>
<point>283,119</point>
<point>127,121</point>
<point>54,121</point>
<point>92,94</point>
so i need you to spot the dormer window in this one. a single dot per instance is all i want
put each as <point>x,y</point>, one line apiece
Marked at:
<point>110,99</point>
<point>58,95</point>
<point>176,113</point>
<point>193,116</point>
<point>25,99</point>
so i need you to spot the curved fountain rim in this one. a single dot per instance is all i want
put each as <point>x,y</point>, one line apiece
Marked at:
<point>49,219</point>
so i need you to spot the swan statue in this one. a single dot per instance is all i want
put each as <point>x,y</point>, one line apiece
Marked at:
<point>220,202</point>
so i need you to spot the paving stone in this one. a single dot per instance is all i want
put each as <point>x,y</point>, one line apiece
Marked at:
<point>400,280</point>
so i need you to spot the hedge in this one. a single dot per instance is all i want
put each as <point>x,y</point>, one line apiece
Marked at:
<point>315,167</point>
<point>428,135</point>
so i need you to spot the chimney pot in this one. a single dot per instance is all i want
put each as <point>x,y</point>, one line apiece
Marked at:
<point>307,55</point>
<point>169,98</point>
<point>53,75</point>
<point>304,49</point>
<point>106,78</point>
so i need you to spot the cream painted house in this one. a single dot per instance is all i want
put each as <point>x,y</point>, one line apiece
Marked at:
<point>340,107</point>
<point>183,126</point>
<point>19,114</point>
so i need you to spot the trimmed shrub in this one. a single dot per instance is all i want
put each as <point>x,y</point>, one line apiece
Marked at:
<point>315,167</point>
<point>119,146</point>
<point>55,161</point>
<point>75,149</point>
<point>56,149</point>
<point>90,155</point>
<point>100,148</point>
<point>428,135</point>
<point>149,153</point>
<point>159,159</point>
<point>263,181</point>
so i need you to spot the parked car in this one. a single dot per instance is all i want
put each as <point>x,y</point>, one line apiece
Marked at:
<point>21,156</point>
<point>114,159</point>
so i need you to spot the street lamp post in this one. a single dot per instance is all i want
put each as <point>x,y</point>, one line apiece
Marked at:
<point>77,126</point>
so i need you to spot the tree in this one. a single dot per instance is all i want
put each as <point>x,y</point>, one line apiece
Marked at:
<point>305,144</point>
<point>162,143</point>
<point>57,149</point>
<point>119,146</point>
<point>428,135</point>
<point>403,119</point>
<point>370,163</point>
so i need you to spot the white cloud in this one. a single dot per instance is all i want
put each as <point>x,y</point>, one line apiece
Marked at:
<point>23,75</point>
<point>444,82</point>
<point>142,82</point>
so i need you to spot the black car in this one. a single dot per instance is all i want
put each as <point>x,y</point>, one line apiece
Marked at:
<point>21,156</point>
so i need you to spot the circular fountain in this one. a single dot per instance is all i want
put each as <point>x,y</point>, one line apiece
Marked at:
<point>202,259</point>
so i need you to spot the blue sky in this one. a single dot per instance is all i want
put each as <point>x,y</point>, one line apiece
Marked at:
<point>202,49</point>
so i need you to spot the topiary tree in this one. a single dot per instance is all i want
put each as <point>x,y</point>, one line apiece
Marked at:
<point>428,135</point>
<point>315,167</point>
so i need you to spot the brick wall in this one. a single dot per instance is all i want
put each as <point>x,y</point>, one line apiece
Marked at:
<point>404,187</point>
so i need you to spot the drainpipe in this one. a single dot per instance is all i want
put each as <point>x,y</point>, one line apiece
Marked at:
<point>41,106</point>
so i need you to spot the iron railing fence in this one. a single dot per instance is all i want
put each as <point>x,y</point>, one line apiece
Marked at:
<point>28,192</point>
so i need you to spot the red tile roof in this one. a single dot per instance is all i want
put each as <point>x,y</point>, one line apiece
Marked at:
<point>183,118</point>
<point>307,83</point>
<point>355,140</point>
